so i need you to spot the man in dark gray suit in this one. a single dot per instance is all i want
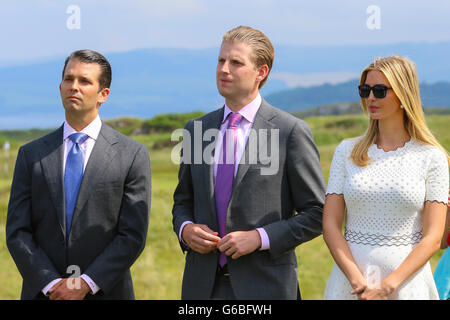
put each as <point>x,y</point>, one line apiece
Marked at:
<point>80,197</point>
<point>240,213</point>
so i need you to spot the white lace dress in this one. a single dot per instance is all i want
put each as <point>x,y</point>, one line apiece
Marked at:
<point>384,202</point>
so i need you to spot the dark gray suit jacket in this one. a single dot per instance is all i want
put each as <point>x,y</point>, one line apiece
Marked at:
<point>288,205</point>
<point>110,220</point>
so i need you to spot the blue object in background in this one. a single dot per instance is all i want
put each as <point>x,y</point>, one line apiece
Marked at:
<point>442,276</point>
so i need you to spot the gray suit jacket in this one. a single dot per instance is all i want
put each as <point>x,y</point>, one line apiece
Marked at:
<point>287,204</point>
<point>110,220</point>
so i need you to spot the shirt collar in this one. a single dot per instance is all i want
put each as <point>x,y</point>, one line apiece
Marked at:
<point>92,129</point>
<point>248,112</point>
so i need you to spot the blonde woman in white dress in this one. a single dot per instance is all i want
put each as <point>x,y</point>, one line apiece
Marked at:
<point>391,188</point>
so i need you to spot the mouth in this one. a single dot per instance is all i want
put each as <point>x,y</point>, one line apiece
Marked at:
<point>73,98</point>
<point>372,108</point>
<point>225,81</point>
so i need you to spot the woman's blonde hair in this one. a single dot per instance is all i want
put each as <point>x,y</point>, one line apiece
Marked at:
<point>402,76</point>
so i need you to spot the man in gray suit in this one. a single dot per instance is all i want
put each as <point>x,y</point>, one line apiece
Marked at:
<point>80,197</point>
<point>239,213</point>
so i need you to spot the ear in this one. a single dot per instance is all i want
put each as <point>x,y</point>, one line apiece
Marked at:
<point>103,95</point>
<point>263,71</point>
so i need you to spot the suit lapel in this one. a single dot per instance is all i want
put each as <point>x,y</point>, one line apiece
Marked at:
<point>52,166</point>
<point>262,121</point>
<point>102,153</point>
<point>208,168</point>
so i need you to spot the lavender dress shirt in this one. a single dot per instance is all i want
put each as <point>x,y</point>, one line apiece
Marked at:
<point>243,131</point>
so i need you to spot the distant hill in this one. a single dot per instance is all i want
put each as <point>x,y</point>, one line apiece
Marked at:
<point>148,82</point>
<point>298,99</point>
<point>351,108</point>
<point>344,108</point>
<point>306,98</point>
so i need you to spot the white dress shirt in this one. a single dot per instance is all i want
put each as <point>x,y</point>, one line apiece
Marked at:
<point>92,130</point>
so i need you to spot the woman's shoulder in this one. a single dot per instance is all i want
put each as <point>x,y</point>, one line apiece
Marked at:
<point>430,153</point>
<point>347,145</point>
<point>427,149</point>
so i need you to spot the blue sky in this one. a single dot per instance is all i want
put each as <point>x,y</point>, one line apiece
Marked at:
<point>37,29</point>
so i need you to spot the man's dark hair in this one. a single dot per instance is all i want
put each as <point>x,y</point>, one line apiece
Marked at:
<point>91,56</point>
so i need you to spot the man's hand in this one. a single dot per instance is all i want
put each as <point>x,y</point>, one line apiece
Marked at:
<point>64,290</point>
<point>200,238</point>
<point>239,243</point>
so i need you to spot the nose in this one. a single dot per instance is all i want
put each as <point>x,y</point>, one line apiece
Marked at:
<point>74,85</point>
<point>371,96</point>
<point>224,67</point>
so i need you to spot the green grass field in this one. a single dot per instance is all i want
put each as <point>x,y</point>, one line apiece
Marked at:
<point>158,271</point>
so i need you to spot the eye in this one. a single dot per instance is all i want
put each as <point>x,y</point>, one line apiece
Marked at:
<point>85,81</point>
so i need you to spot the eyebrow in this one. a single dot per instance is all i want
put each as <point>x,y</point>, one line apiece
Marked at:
<point>237,58</point>
<point>69,76</point>
<point>377,84</point>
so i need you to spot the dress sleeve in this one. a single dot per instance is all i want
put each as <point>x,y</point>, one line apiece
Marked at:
<point>437,182</point>
<point>338,172</point>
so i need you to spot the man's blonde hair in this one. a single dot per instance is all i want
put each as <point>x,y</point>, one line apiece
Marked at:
<point>402,76</point>
<point>262,49</point>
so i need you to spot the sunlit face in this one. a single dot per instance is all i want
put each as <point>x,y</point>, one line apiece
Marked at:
<point>381,108</point>
<point>79,88</point>
<point>237,76</point>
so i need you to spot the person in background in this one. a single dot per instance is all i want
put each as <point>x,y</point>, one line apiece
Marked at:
<point>442,271</point>
<point>391,186</point>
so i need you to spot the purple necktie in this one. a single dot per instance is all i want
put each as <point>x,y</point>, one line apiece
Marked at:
<point>224,178</point>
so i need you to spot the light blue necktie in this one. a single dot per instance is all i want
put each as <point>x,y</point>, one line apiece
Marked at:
<point>73,176</point>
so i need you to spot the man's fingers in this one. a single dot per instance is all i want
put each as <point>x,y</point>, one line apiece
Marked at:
<point>227,246</point>
<point>234,252</point>
<point>224,244</point>
<point>202,245</point>
<point>205,243</point>
<point>56,285</point>
<point>206,233</point>
<point>54,295</point>
<point>237,255</point>
<point>202,231</point>
<point>239,243</point>
<point>208,230</point>
<point>200,238</point>
<point>55,288</point>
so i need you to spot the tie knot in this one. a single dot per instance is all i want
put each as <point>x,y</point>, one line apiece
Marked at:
<point>78,137</point>
<point>235,118</point>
